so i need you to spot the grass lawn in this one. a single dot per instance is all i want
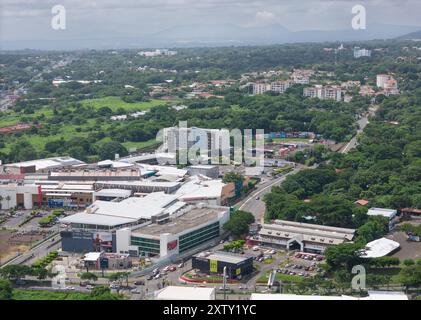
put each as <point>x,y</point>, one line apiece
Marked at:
<point>68,131</point>
<point>290,140</point>
<point>280,277</point>
<point>10,118</point>
<point>48,295</point>
<point>140,145</point>
<point>115,103</point>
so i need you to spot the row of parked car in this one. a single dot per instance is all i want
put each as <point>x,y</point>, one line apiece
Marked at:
<point>293,273</point>
<point>309,257</point>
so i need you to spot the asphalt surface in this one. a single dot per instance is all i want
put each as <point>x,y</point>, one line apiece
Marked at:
<point>362,123</point>
<point>39,251</point>
<point>254,202</point>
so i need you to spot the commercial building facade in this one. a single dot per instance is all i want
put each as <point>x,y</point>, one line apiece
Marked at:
<point>237,266</point>
<point>304,236</point>
<point>189,228</point>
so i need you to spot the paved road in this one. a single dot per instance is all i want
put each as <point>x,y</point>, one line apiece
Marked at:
<point>362,123</point>
<point>257,207</point>
<point>37,252</point>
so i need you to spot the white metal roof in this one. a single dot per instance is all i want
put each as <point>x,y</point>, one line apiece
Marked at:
<point>307,231</point>
<point>134,207</point>
<point>114,164</point>
<point>77,186</point>
<point>141,183</point>
<point>48,163</point>
<point>92,256</point>
<point>96,219</point>
<point>379,248</point>
<point>113,193</point>
<point>185,293</point>
<point>388,213</point>
<point>199,188</point>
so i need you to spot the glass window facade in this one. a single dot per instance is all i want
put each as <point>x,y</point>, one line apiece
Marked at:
<point>146,246</point>
<point>199,236</point>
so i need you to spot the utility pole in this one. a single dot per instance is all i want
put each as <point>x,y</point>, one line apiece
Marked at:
<point>225,283</point>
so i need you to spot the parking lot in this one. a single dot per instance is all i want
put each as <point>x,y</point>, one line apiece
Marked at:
<point>302,264</point>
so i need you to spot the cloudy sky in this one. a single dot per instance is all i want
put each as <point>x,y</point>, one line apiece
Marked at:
<point>22,20</point>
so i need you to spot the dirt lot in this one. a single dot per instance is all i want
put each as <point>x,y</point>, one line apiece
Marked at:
<point>408,249</point>
<point>6,249</point>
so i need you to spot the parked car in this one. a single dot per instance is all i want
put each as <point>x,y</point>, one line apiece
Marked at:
<point>140,283</point>
<point>89,287</point>
<point>135,291</point>
<point>180,265</point>
<point>172,268</point>
<point>157,276</point>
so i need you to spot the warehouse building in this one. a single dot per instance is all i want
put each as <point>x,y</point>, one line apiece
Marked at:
<point>390,214</point>
<point>304,236</point>
<point>214,263</point>
<point>380,248</point>
<point>40,165</point>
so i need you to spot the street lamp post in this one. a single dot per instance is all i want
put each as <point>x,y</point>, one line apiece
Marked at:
<point>225,283</point>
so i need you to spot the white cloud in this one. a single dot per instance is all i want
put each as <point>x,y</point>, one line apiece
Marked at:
<point>265,18</point>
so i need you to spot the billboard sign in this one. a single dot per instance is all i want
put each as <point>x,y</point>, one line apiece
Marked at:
<point>102,239</point>
<point>172,245</point>
<point>213,266</point>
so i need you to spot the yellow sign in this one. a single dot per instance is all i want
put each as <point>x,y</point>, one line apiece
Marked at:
<point>238,271</point>
<point>213,266</point>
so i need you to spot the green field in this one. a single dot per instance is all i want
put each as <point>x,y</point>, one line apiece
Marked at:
<point>76,131</point>
<point>48,295</point>
<point>10,118</point>
<point>115,103</point>
<point>280,277</point>
<point>290,140</point>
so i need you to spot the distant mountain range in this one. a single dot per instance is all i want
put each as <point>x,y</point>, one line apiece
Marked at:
<point>412,35</point>
<point>226,34</point>
<point>216,35</point>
